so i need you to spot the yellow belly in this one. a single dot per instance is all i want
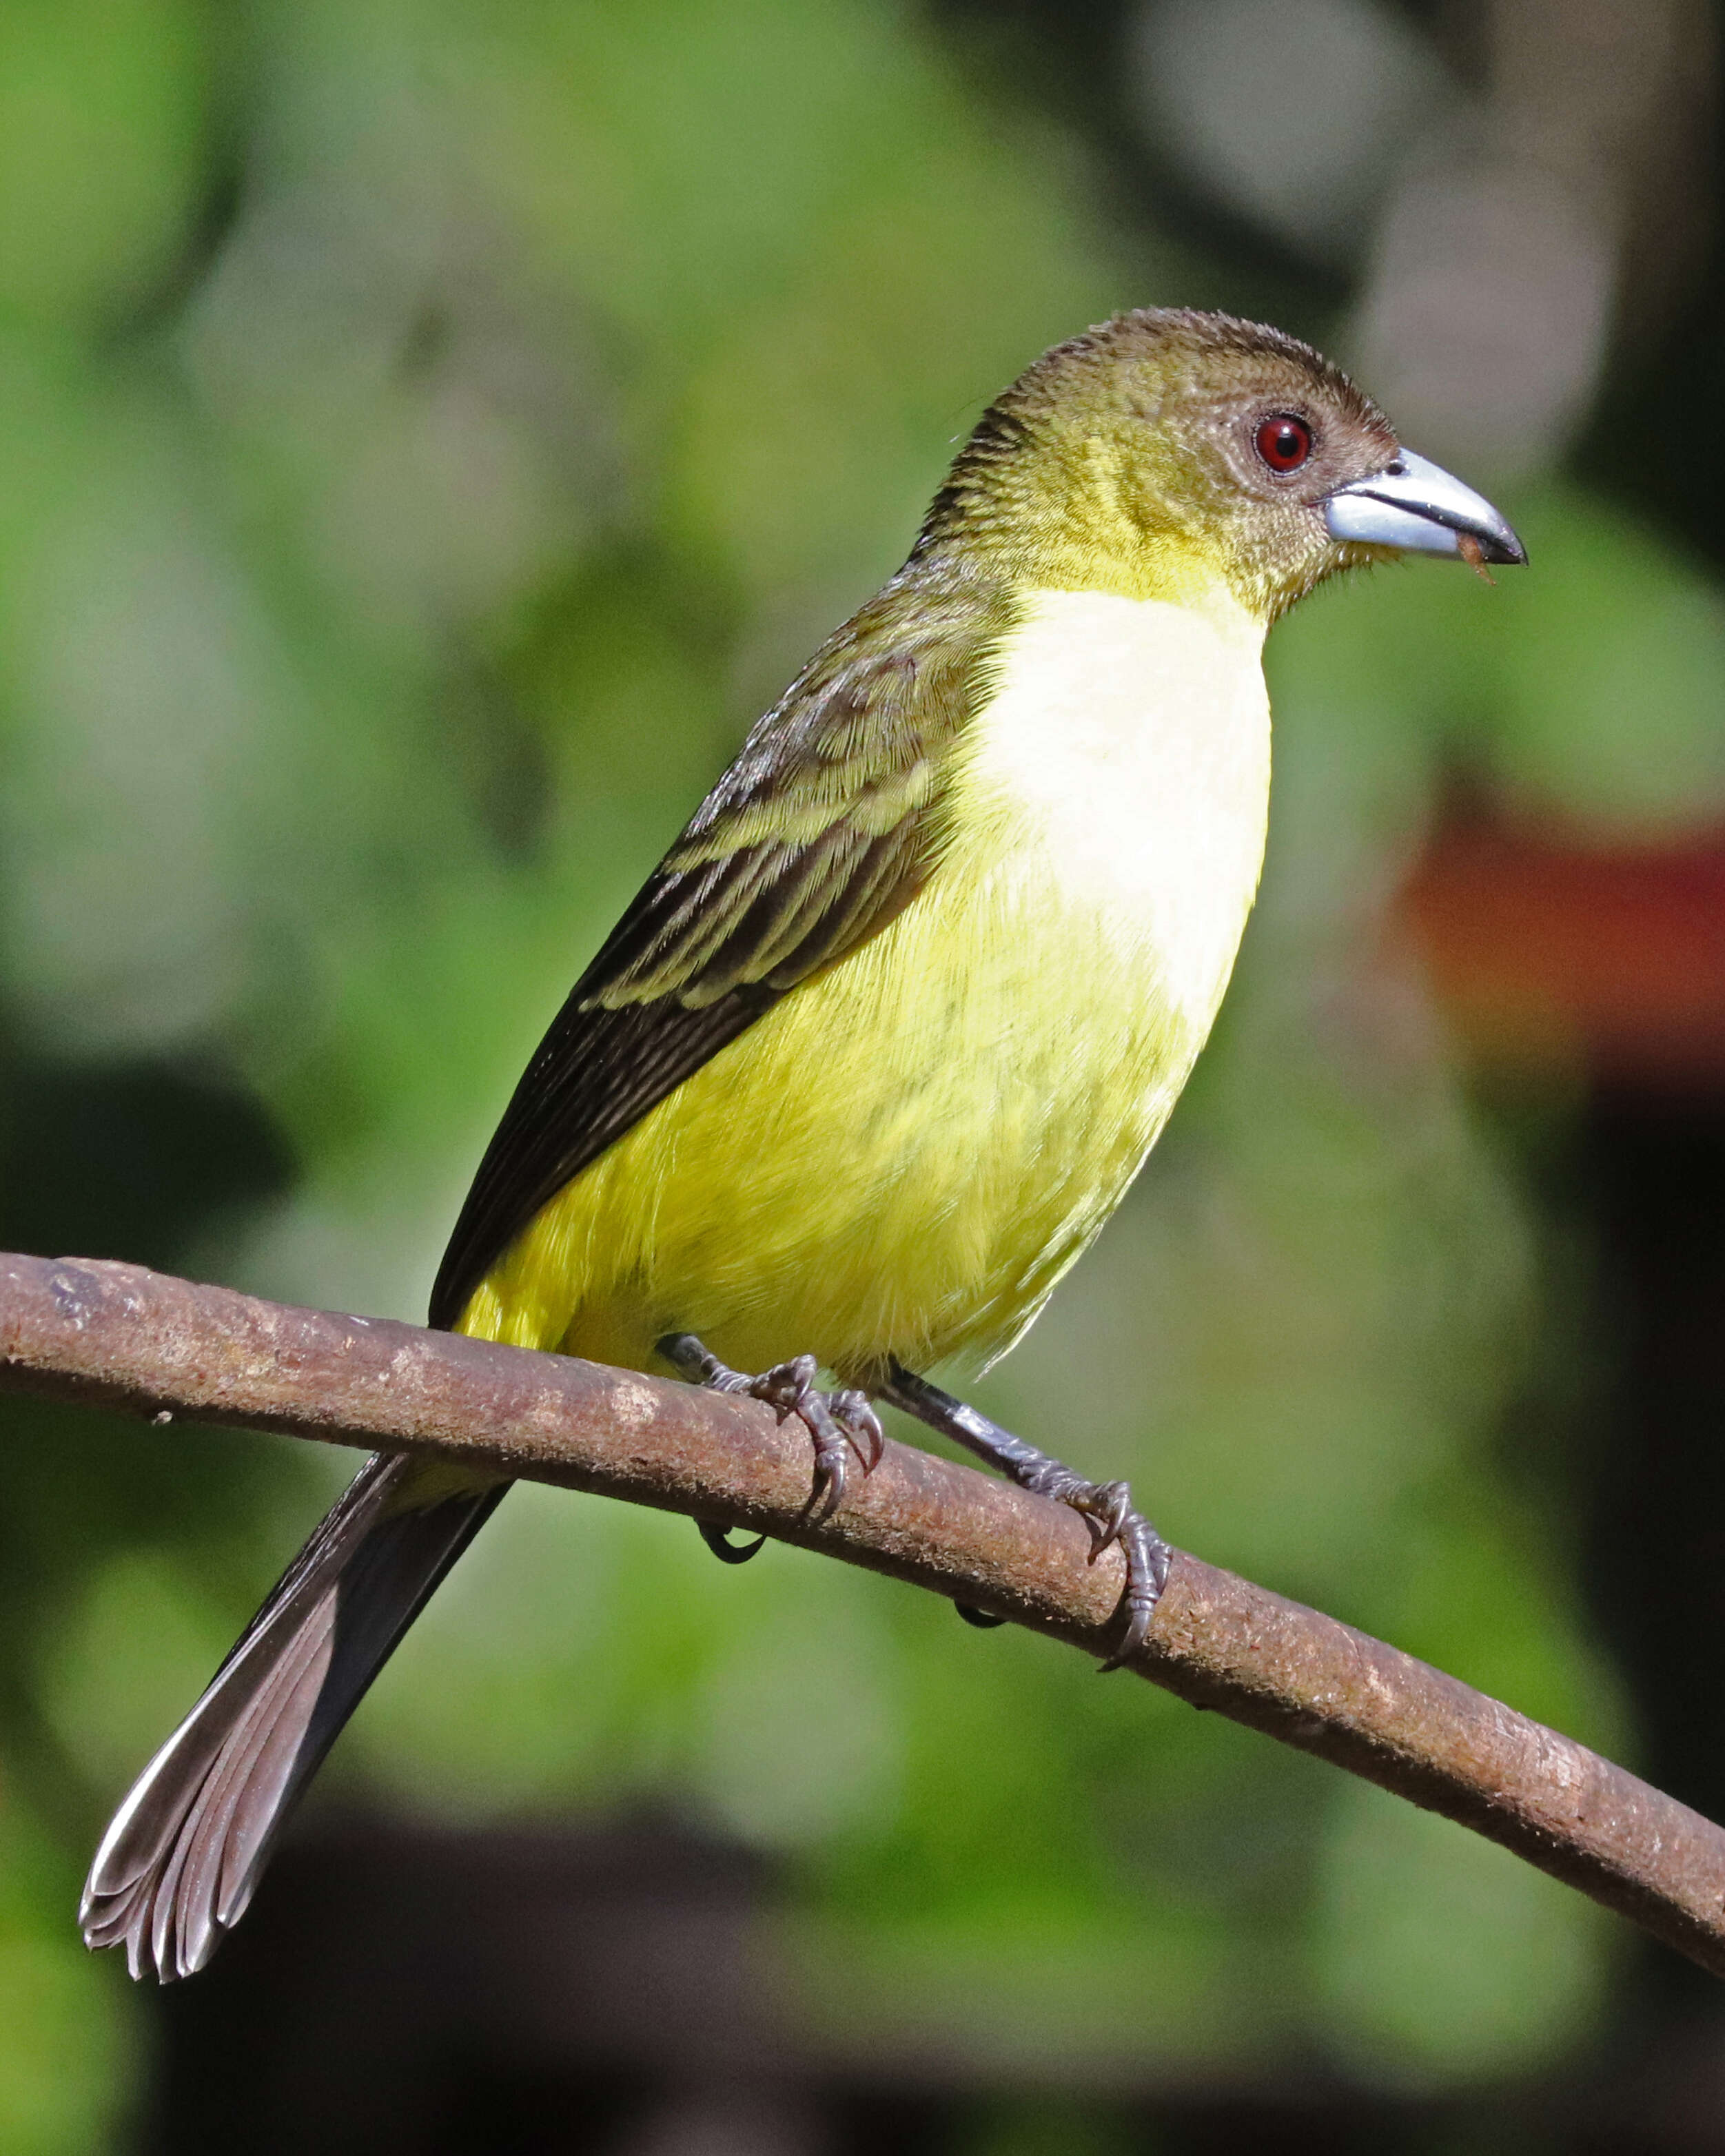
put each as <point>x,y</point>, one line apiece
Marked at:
<point>900,1159</point>
<point>902,1156</point>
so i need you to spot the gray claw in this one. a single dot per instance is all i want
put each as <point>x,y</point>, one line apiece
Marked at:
<point>831,1462</point>
<point>787,1386</point>
<point>857,1419</point>
<point>1148,1560</point>
<point>1106,1509</point>
<point>839,1423</point>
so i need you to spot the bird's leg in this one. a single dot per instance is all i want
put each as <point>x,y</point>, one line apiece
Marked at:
<point>1104,1507</point>
<point>839,1423</point>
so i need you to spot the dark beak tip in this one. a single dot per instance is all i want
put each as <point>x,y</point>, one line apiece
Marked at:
<point>1416,505</point>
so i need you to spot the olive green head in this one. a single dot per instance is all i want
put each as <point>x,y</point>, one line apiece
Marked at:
<point>1167,451</point>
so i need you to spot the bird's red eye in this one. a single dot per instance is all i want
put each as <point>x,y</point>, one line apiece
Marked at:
<point>1284,442</point>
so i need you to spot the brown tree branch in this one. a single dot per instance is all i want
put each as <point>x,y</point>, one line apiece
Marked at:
<point>117,1336</point>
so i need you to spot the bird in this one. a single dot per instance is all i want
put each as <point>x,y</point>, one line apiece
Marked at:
<point>884,1038</point>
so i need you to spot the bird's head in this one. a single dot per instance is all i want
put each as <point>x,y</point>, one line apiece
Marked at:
<point>1167,452</point>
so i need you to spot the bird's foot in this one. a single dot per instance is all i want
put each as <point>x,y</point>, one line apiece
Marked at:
<point>1104,1507</point>
<point>1107,1510</point>
<point>840,1424</point>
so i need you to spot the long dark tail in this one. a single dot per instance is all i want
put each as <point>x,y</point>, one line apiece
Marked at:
<point>177,1865</point>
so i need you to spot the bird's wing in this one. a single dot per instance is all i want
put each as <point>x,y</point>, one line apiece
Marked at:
<point>823,829</point>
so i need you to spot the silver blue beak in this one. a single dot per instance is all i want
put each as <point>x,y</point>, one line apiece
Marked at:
<point>1418,506</point>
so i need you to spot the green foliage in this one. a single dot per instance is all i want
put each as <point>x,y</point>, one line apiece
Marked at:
<point>67,2052</point>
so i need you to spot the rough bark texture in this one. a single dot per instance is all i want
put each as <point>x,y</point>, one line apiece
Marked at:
<point>119,1337</point>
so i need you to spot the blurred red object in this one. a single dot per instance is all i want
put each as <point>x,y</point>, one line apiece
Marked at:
<point>1547,952</point>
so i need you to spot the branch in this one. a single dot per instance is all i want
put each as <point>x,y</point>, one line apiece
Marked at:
<point>117,1336</point>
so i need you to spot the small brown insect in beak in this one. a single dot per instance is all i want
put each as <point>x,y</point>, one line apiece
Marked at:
<point>1470,551</point>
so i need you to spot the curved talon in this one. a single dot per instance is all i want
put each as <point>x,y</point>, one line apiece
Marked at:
<point>831,1463</point>
<point>980,1618</point>
<point>1107,1510</point>
<point>840,1424</point>
<point>718,1540</point>
<point>852,1411</point>
<point>1105,1507</point>
<point>1148,1560</point>
<point>788,1387</point>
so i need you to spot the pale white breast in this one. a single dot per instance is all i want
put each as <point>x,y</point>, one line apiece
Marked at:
<point>1130,739</point>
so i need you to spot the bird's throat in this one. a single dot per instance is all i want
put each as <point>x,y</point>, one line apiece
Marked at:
<point>1127,744</point>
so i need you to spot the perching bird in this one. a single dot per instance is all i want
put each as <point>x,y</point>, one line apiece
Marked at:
<point>885,1037</point>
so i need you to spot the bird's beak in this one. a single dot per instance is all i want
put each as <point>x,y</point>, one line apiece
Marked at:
<point>1416,505</point>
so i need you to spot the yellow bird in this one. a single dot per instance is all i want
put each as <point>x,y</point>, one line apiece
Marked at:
<point>885,1037</point>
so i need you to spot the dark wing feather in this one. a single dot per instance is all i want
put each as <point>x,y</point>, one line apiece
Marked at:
<point>823,829</point>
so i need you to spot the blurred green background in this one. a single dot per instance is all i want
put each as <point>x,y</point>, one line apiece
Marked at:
<point>429,434</point>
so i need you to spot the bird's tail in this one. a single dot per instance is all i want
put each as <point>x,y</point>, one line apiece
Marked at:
<point>176,1867</point>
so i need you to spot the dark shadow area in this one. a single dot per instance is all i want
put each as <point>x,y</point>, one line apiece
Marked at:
<point>127,1160</point>
<point>401,1991</point>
